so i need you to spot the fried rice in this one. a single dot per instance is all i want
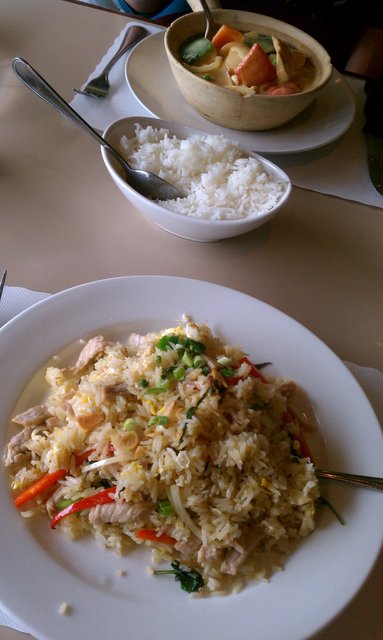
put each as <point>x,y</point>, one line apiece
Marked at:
<point>174,440</point>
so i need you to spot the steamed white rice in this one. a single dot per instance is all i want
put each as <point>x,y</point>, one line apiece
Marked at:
<point>200,432</point>
<point>221,181</point>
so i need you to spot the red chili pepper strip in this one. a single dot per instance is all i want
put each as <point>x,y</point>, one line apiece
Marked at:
<point>254,372</point>
<point>38,487</point>
<point>79,458</point>
<point>303,446</point>
<point>150,534</point>
<point>287,417</point>
<point>232,380</point>
<point>102,497</point>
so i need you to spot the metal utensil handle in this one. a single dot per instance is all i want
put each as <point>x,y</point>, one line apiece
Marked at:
<point>196,5</point>
<point>206,8</point>
<point>2,283</point>
<point>351,478</point>
<point>132,35</point>
<point>29,76</point>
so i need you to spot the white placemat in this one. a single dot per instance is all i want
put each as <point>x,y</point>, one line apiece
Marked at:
<point>120,102</point>
<point>338,169</point>
<point>17,299</point>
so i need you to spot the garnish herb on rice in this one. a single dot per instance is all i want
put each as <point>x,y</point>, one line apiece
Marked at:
<point>173,440</point>
<point>190,580</point>
<point>328,504</point>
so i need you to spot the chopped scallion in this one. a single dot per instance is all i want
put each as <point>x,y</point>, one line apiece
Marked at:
<point>227,372</point>
<point>187,359</point>
<point>165,508</point>
<point>167,342</point>
<point>178,373</point>
<point>175,342</point>
<point>167,370</point>
<point>198,362</point>
<point>63,504</point>
<point>130,424</point>
<point>192,346</point>
<point>163,386</point>
<point>162,420</point>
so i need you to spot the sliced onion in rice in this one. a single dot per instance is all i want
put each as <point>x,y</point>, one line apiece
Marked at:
<point>176,501</point>
<point>103,463</point>
<point>29,513</point>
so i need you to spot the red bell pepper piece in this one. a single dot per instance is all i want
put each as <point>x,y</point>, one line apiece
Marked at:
<point>101,497</point>
<point>79,458</point>
<point>232,380</point>
<point>39,486</point>
<point>151,534</point>
<point>254,372</point>
<point>303,446</point>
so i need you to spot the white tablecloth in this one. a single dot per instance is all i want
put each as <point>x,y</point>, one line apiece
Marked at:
<point>339,169</point>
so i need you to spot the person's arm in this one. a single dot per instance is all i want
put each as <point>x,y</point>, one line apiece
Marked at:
<point>147,6</point>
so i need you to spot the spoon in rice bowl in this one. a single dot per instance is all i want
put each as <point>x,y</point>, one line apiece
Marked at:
<point>147,184</point>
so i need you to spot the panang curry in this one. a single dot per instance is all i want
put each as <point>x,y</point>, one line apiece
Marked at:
<point>249,62</point>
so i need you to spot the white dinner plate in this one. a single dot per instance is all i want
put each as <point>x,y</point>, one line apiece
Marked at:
<point>40,569</point>
<point>149,77</point>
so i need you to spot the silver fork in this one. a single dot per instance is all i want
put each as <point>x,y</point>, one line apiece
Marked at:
<point>2,283</point>
<point>99,87</point>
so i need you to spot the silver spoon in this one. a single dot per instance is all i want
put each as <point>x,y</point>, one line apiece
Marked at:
<point>148,184</point>
<point>211,26</point>
<point>351,478</point>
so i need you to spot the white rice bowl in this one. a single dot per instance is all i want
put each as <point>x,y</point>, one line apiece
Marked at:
<point>228,190</point>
